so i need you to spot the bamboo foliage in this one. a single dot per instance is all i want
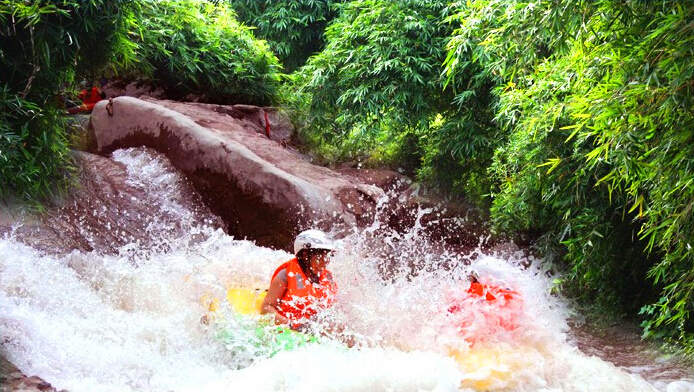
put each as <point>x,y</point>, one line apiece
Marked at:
<point>571,120</point>
<point>599,158</point>
<point>44,46</point>
<point>199,47</point>
<point>293,28</point>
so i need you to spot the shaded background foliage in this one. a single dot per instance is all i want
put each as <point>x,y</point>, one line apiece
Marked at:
<point>376,74</point>
<point>293,28</point>
<point>377,93</point>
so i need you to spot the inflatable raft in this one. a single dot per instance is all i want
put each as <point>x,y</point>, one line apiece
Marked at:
<point>247,302</point>
<point>485,366</point>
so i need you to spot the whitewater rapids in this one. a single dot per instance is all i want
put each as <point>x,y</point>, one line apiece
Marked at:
<point>132,321</point>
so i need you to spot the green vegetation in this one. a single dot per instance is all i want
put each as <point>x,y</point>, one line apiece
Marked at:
<point>47,47</point>
<point>44,46</point>
<point>293,28</point>
<point>198,47</point>
<point>572,121</point>
<point>374,75</point>
<point>377,90</point>
<point>599,159</point>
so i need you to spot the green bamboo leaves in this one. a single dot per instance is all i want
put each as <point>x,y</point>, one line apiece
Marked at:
<point>293,28</point>
<point>198,47</point>
<point>604,126</point>
<point>572,120</point>
<point>44,46</point>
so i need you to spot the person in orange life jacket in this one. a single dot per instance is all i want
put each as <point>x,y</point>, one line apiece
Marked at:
<point>303,285</point>
<point>506,303</point>
<point>89,97</point>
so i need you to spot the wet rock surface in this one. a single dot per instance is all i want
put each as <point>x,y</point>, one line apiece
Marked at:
<point>132,88</point>
<point>267,191</point>
<point>13,380</point>
<point>103,212</point>
<point>260,187</point>
<point>621,345</point>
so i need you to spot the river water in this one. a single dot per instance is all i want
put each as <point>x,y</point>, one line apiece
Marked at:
<point>131,321</point>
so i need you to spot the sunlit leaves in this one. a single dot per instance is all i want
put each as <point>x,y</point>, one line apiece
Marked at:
<point>615,105</point>
<point>199,47</point>
<point>379,73</point>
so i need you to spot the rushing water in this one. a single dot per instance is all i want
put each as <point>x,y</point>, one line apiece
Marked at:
<point>132,321</point>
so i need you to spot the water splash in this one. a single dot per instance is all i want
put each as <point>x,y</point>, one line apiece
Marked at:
<point>131,321</point>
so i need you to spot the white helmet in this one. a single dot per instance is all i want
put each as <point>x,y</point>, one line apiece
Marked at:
<point>313,239</point>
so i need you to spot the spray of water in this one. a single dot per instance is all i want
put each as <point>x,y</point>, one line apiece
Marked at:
<point>131,321</point>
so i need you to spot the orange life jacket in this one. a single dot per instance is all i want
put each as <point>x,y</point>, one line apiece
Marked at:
<point>491,293</point>
<point>503,313</point>
<point>90,98</point>
<point>303,298</point>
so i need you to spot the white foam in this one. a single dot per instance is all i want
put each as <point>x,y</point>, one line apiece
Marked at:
<point>88,321</point>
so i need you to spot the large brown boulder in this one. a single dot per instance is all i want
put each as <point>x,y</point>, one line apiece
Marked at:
<point>260,187</point>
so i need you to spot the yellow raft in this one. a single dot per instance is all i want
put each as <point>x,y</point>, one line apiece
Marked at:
<point>243,300</point>
<point>495,367</point>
